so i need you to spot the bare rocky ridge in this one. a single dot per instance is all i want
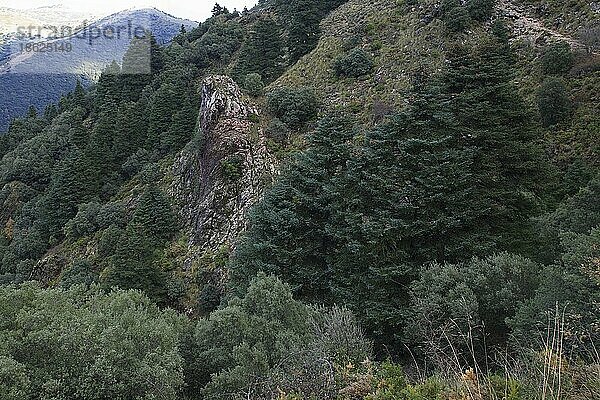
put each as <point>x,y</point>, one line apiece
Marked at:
<point>223,172</point>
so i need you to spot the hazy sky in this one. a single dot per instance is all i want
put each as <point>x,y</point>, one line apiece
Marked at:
<point>197,10</point>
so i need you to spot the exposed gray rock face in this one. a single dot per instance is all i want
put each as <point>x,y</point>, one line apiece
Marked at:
<point>224,170</point>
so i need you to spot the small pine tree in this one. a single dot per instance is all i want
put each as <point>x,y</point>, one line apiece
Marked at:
<point>154,214</point>
<point>554,102</point>
<point>32,112</point>
<point>557,59</point>
<point>133,267</point>
<point>263,51</point>
<point>79,97</point>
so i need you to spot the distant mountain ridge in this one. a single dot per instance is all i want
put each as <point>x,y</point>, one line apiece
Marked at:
<point>11,18</point>
<point>39,78</point>
<point>98,44</point>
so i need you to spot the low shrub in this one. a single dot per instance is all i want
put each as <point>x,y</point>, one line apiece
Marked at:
<point>355,64</point>
<point>294,107</point>
<point>557,59</point>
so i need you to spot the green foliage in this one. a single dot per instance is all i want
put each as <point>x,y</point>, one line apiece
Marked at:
<point>209,298</point>
<point>455,15</point>
<point>354,64</point>
<point>459,15</point>
<point>173,113</point>
<point>83,344</point>
<point>481,10</point>
<point>154,214</point>
<point>554,102</point>
<point>181,128</point>
<point>33,159</point>
<point>254,118</point>
<point>93,217</point>
<point>303,18</point>
<point>79,273</point>
<point>569,292</point>
<point>108,241</point>
<point>578,213</point>
<point>130,130</point>
<point>232,168</point>
<point>253,84</point>
<point>142,60</point>
<point>391,382</point>
<point>249,337</point>
<point>277,131</point>
<point>108,89</point>
<point>267,342</point>
<point>133,265</point>
<point>452,177</point>
<point>263,51</point>
<point>221,40</point>
<point>70,187</point>
<point>557,59</point>
<point>461,309</point>
<point>507,387</point>
<point>14,381</point>
<point>136,162</point>
<point>396,221</point>
<point>287,236</point>
<point>292,106</point>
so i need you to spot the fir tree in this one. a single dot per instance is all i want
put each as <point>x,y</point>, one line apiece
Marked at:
<point>167,101</point>
<point>181,128</point>
<point>131,126</point>
<point>287,235</point>
<point>70,187</point>
<point>451,177</point>
<point>263,51</point>
<point>32,113</point>
<point>50,112</point>
<point>141,62</point>
<point>98,150</point>
<point>492,119</point>
<point>154,214</point>
<point>79,96</point>
<point>108,88</point>
<point>132,266</point>
<point>217,10</point>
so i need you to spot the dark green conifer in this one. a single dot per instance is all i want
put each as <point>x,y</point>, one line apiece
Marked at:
<point>263,51</point>
<point>133,267</point>
<point>154,214</point>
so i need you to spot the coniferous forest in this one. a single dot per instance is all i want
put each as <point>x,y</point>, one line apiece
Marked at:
<point>315,199</point>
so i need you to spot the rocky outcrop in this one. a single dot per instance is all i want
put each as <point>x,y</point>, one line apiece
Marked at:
<point>222,173</point>
<point>525,26</point>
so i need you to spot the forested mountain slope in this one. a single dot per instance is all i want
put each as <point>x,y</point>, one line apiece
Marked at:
<point>314,199</point>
